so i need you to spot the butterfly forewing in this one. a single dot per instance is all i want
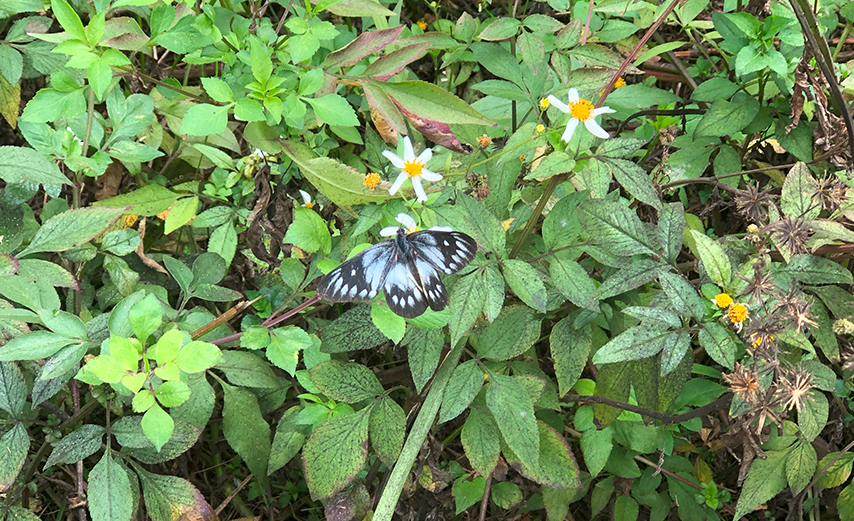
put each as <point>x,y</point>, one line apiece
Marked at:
<point>448,252</point>
<point>359,278</point>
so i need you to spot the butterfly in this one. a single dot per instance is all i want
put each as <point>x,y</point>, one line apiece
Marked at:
<point>407,268</point>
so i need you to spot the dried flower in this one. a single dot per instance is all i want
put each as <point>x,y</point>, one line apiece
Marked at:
<point>830,193</point>
<point>743,382</point>
<point>792,388</point>
<point>790,233</point>
<point>722,300</point>
<point>582,111</point>
<point>412,167</point>
<point>753,203</point>
<point>372,181</point>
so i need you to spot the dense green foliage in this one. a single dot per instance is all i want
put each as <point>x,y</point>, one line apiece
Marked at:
<point>657,324</point>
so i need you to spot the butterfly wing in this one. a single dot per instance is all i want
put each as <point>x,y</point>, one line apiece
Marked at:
<point>448,252</point>
<point>359,278</point>
<point>403,288</point>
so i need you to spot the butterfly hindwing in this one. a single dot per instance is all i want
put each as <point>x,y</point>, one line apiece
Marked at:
<point>431,285</point>
<point>448,252</point>
<point>403,292</point>
<point>359,278</point>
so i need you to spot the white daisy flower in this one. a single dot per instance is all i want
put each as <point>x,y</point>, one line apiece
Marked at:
<point>411,166</point>
<point>409,225</point>
<point>581,110</point>
<point>306,199</point>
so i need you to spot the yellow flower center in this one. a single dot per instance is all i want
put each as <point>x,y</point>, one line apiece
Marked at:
<point>620,83</point>
<point>540,129</point>
<point>422,24</point>
<point>737,313</point>
<point>544,103</point>
<point>581,109</point>
<point>308,204</point>
<point>413,168</point>
<point>723,300</point>
<point>372,180</point>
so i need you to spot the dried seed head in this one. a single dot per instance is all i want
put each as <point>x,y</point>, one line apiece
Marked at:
<point>743,382</point>
<point>792,388</point>
<point>791,234</point>
<point>753,203</point>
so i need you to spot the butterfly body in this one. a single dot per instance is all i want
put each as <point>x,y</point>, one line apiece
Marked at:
<point>407,268</point>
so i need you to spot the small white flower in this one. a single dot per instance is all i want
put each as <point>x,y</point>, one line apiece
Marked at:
<point>306,199</point>
<point>79,141</point>
<point>580,110</point>
<point>409,225</point>
<point>411,166</point>
<point>260,153</point>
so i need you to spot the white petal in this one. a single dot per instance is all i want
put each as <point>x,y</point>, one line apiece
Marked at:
<point>408,153</point>
<point>305,197</point>
<point>603,110</point>
<point>595,129</point>
<point>430,175</point>
<point>425,156</point>
<point>389,231</point>
<point>398,183</point>
<point>570,129</point>
<point>419,190</point>
<point>394,158</point>
<point>563,107</point>
<point>407,221</point>
<point>573,94</point>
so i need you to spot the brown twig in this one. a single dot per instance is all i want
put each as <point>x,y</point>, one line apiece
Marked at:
<point>666,419</point>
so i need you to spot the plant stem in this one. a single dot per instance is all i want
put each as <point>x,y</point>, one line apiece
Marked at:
<point>420,429</point>
<point>532,221</point>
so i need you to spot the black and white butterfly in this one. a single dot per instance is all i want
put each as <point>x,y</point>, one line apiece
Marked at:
<point>407,268</point>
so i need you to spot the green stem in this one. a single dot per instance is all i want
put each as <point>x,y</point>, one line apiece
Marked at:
<point>845,32</point>
<point>532,221</point>
<point>420,429</point>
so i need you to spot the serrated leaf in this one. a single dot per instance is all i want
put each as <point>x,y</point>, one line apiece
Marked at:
<point>464,384</point>
<point>633,344</point>
<point>570,348</point>
<point>387,429</point>
<point>110,494</point>
<point>204,119</point>
<point>245,429</point>
<point>171,497</point>
<point>714,259</point>
<point>812,269</point>
<point>614,227</point>
<point>514,331</point>
<point>76,446</point>
<point>335,453</point>
<point>800,466</point>
<point>13,389</point>
<point>465,304</point>
<point>71,228</point>
<point>352,331</point>
<point>481,440</point>
<point>526,283</point>
<point>513,411</point>
<point>345,382</point>
<point>765,479</point>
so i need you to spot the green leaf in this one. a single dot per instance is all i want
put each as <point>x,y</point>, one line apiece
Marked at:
<point>837,473</point>
<point>614,227</point>
<point>633,276</point>
<point>671,222</point>
<point>423,349</point>
<point>572,281</point>
<point>345,382</point>
<point>596,446</point>
<point>813,417</point>
<point>149,200</point>
<point>727,117</point>
<point>259,61</point>
<point>714,259</point>
<point>309,232</point>
<point>472,217</point>
<point>71,228</point>
<point>796,200</point>
<point>32,346</point>
<point>367,43</point>
<point>625,509</point>
<point>333,109</point>
<point>181,213</point>
<point>110,493</point>
<point>245,429</point>
<point>431,102</point>
<point>165,496</point>
<point>157,426</point>
<point>635,180</point>
<point>526,283</point>
<point>100,75</point>
<point>145,317</point>
<point>466,493</point>
<point>76,446</point>
<point>121,242</point>
<point>288,440</point>
<point>465,304</point>
<point>13,389</point>
<point>718,343</point>
<point>390,324</point>
<point>845,501</point>
<point>352,331</point>
<point>246,369</point>
<point>714,89</point>
<point>556,466</point>
<point>513,410</point>
<point>481,440</point>
<point>285,346</point>
<point>335,453</point>
<point>342,184</point>
<point>570,348</point>
<point>172,394</point>
<point>811,269</point>
<point>68,19</point>
<point>514,331</point>
<point>387,429</point>
<point>800,466</point>
<point>682,295</point>
<point>204,119</point>
<point>632,344</point>
<point>500,28</point>
<point>466,381</point>
<point>765,479</point>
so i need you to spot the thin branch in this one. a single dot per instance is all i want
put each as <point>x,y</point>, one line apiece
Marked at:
<point>666,419</point>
